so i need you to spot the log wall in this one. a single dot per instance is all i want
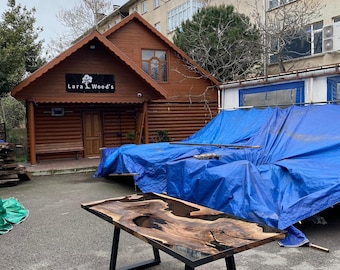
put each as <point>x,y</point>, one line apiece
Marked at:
<point>178,119</point>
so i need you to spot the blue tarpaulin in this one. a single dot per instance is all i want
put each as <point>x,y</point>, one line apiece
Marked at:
<point>293,174</point>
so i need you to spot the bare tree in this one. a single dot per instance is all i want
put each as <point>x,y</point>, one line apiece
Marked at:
<point>285,27</point>
<point>78,20</point>
<point>84,16</point>
<point>56,46</point>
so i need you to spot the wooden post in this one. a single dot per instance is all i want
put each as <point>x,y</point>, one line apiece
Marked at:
<point>141,124</point>
<point>146,122</point>
<point>31,129</point>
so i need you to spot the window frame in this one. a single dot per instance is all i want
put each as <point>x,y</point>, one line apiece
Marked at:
<point>144,7</point>
<point>162,67</point>
<point>315,30</point>
<point>299,99</point>
<point>313,37</point>
<point>157,25</point>
<point>278,3</point>
<point>156,3</point>
<point>182,12</point>
<point>333,92</point>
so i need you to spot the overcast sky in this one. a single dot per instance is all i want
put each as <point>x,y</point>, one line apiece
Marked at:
<point>46,11</point>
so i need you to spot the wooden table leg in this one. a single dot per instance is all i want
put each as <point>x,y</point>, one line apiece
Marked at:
<point>230,262</point>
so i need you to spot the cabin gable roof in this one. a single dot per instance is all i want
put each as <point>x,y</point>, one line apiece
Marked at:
<point>136,17</point>
<point>94,36</point>
<point>163,91</point>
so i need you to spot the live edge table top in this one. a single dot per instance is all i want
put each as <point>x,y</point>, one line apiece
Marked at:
<point>190,232</point>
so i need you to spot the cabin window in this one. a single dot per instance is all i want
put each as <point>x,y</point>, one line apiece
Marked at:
<point>282,95</point>
<point>154,63</point>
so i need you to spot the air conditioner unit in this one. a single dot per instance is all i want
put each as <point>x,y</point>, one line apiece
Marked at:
<point>331,37</point>
<point>328,31</point>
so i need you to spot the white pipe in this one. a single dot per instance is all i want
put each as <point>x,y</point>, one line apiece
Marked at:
<point>311,87</point>
<point>264,21</point>
<point>219,99</point>
<point>282,77</point>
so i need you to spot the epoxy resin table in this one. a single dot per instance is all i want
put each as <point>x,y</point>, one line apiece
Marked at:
<point>189,232</point>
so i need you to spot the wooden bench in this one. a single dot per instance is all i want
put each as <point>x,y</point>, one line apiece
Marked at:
<point>50,148</point>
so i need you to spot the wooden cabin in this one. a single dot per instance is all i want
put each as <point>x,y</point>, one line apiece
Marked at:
<point>127,85</point>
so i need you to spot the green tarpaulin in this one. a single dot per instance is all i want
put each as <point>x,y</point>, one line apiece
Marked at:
<point>11,213</point>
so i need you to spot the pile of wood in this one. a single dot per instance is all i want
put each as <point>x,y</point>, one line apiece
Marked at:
<point>10,172</point>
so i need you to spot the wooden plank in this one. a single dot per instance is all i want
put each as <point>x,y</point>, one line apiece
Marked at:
<point>9,182</point>
<point>122,174</point>
<point>59,147</point>
<point>8,166</point>
<point>217,145</point>
<point>9,175</point>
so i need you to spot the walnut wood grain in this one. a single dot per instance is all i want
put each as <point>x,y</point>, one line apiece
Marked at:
<point>183,226</point>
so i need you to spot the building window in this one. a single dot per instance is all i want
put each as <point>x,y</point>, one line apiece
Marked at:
<point>144,7</point>
<point>182,13</point>
<point>336,19</point>
<point>276,3</point>
<point>333,89</point>
<point>156,3</point>
<point>273,3</point>
<point>154,63</point>
<point>309,43</point>
<point>282,95</point>
<point>315,35</point>
<point>158,26</point>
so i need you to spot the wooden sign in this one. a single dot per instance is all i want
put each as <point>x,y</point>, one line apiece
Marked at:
<point>90,83</point>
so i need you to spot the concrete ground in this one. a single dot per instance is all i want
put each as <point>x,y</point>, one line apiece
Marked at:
<point>58,234</point>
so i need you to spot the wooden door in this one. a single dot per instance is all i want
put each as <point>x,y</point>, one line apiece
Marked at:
<point>93,141</point>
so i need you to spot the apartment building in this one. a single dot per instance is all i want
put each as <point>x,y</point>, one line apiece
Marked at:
<point>165,15</point>
<point>321,47</point>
